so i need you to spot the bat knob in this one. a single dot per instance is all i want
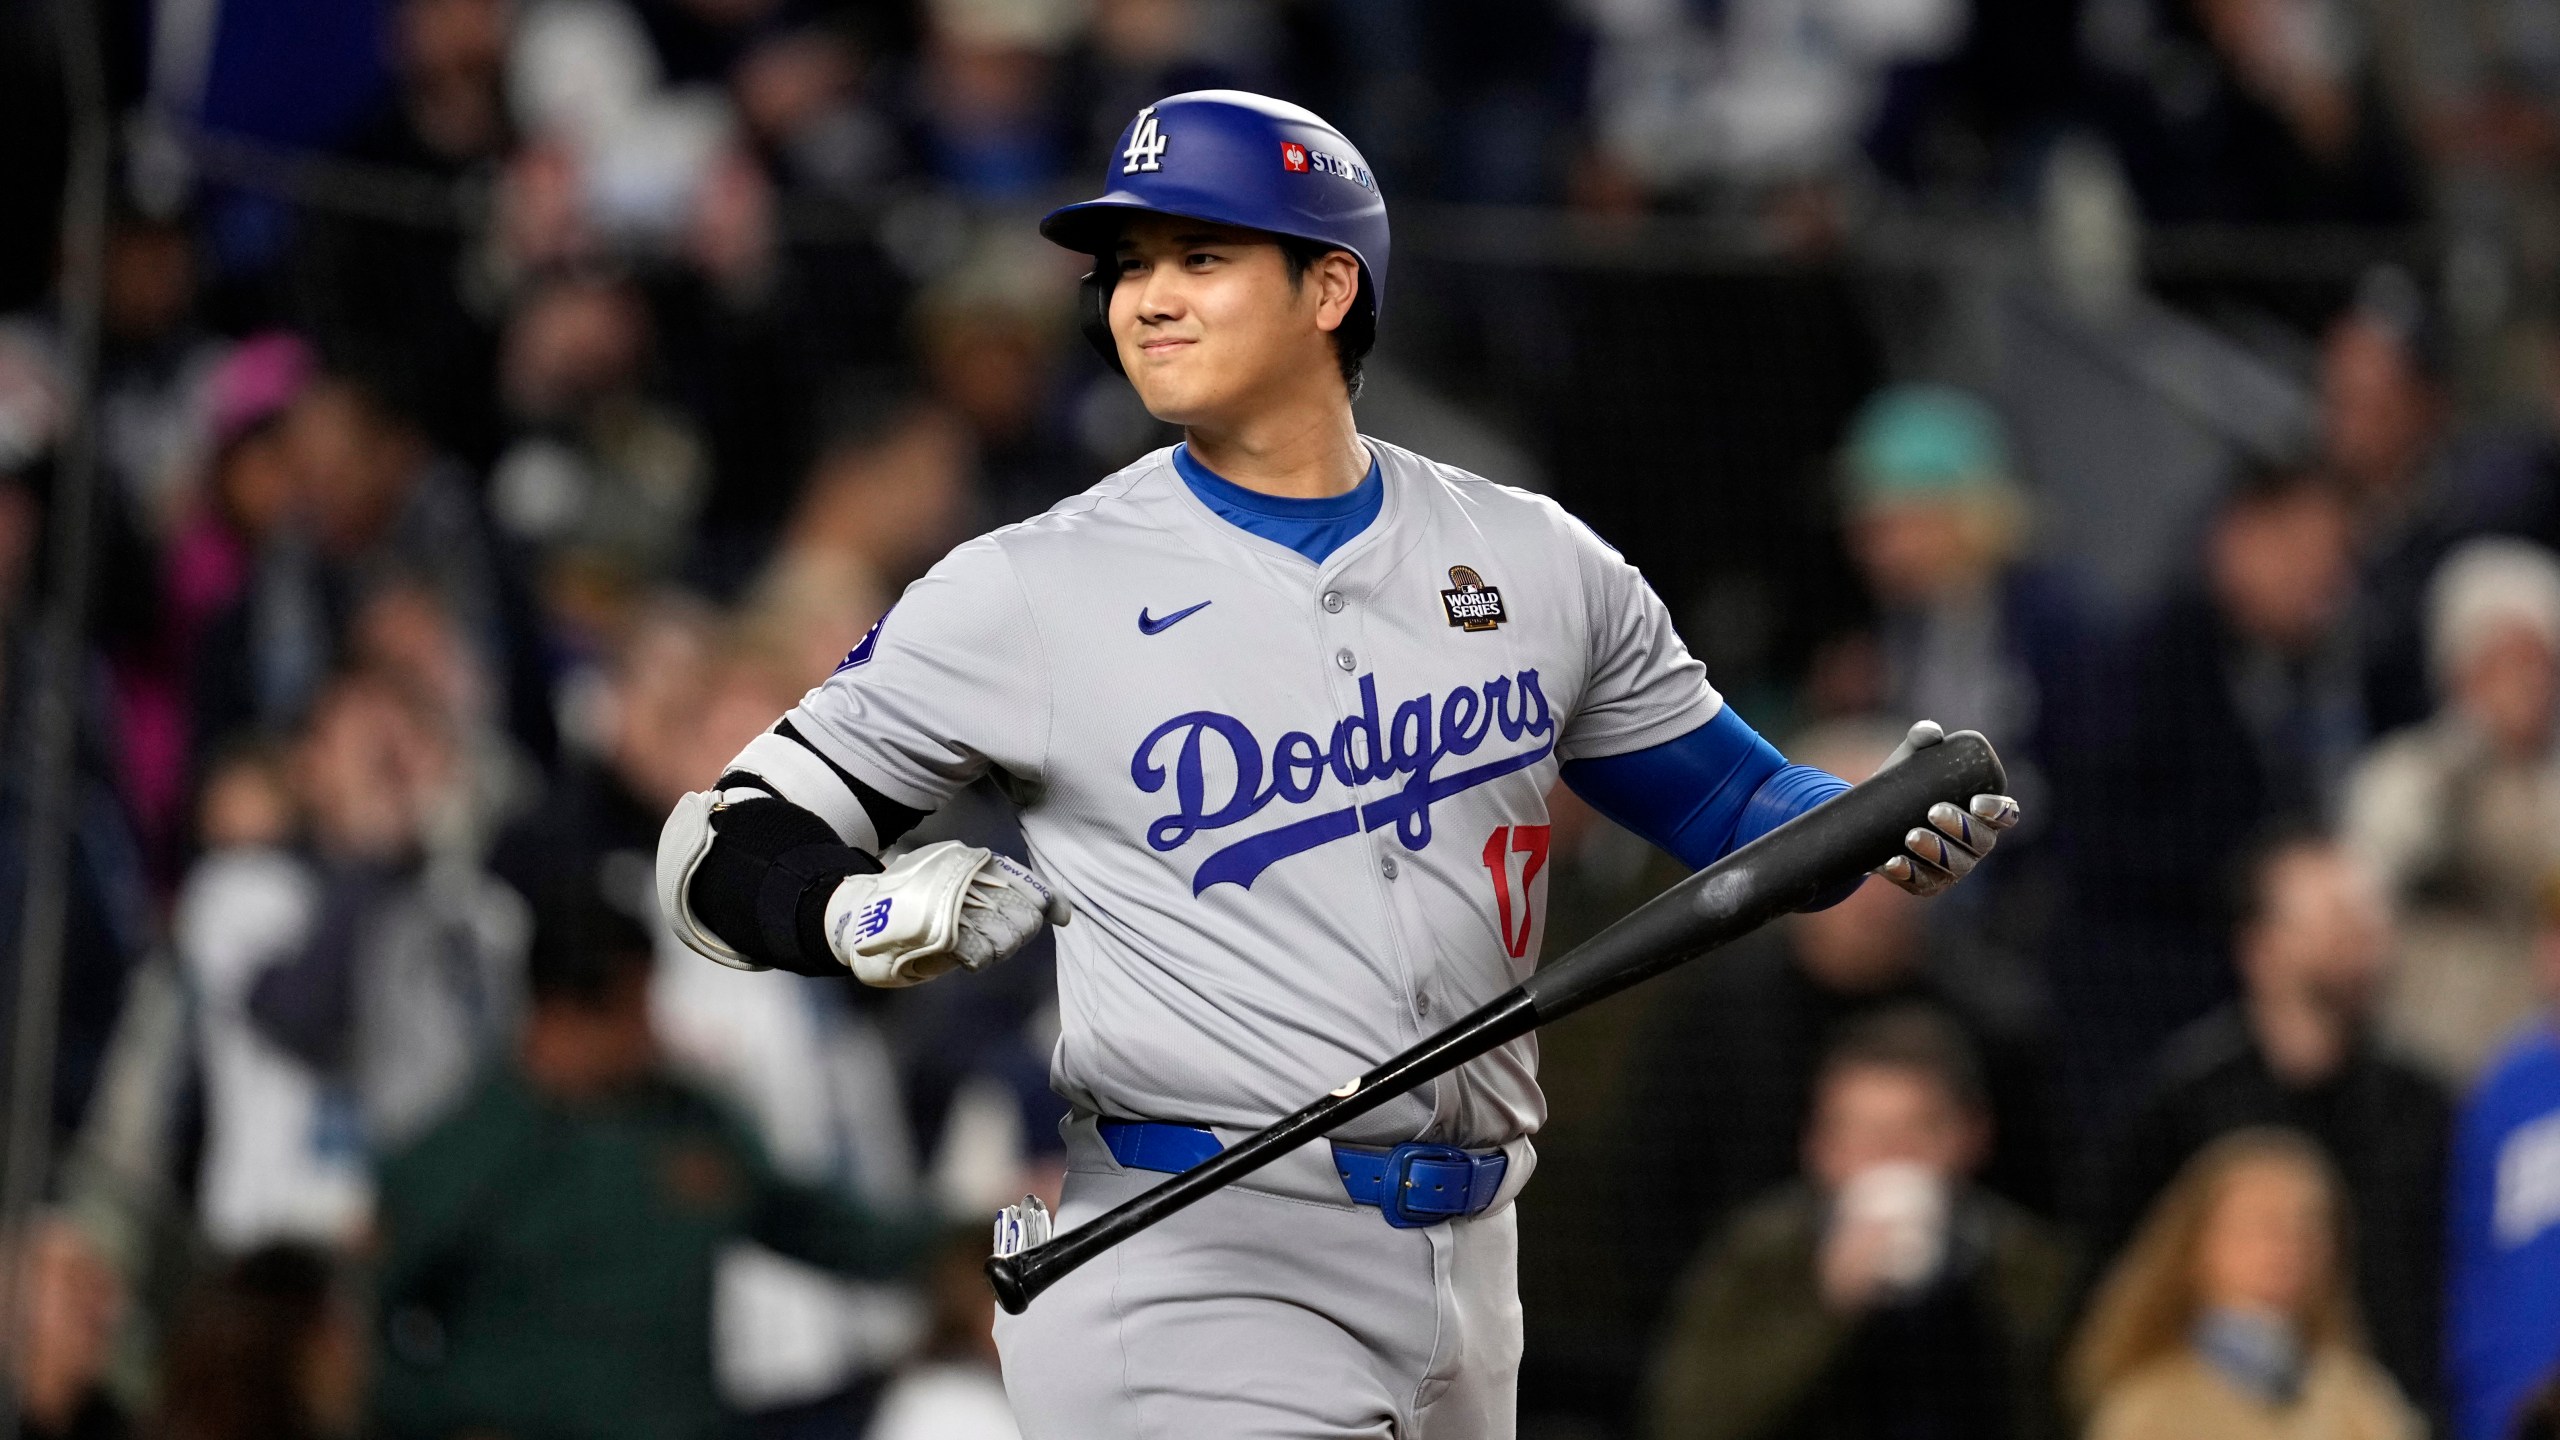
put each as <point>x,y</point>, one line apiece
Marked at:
<point>1004,1272</point>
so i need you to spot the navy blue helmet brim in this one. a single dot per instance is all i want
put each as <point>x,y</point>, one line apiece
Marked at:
<point>1092,227</point>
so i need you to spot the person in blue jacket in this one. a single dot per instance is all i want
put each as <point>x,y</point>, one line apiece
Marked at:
<point>2503,1257</point>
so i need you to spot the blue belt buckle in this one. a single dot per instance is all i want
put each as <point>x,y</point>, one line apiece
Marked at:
<point>1413,1197</point>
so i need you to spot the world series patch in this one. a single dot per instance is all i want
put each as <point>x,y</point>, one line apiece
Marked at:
<point>1473,605</point>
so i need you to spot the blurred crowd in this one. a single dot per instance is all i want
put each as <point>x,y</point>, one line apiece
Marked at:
<point>597,371</point>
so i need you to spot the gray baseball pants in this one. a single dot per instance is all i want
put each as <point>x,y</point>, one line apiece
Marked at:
<point>1274,1310</point>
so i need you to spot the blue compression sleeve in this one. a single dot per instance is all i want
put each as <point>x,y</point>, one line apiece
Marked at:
<point>1705,794</point>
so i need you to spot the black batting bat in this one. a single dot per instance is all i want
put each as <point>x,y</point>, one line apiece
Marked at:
<point>1781,871</point>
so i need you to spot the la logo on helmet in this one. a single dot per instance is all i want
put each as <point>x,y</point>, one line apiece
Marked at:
<point>1146,145</point>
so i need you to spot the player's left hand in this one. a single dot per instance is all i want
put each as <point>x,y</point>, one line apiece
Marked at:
<point>939,907</point>
<point>1944,851</point>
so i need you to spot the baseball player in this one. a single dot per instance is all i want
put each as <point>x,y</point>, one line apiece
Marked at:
<point>1281,706</point>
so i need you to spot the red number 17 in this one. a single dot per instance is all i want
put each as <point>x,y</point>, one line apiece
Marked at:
<point>1505,842</point>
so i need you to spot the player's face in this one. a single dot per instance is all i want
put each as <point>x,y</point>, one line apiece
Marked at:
<point>1210,327</point>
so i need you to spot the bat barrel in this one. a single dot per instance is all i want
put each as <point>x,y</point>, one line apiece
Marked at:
<point>1784,870</point>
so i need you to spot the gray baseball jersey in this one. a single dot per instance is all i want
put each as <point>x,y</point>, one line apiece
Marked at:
<point>1300,809</point>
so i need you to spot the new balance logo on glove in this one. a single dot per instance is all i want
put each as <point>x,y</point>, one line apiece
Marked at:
<point>875,918</point>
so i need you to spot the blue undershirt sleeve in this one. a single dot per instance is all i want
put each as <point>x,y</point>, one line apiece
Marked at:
<point>1706,794</point>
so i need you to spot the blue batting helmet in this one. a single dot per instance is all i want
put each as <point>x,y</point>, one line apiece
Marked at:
<point>1233,158</point>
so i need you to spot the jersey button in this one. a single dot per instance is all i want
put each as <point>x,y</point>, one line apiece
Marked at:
<point>1346,659</point>
<point>1387,867</point>
<point>1421,1004</point>
<point>1332,602</point>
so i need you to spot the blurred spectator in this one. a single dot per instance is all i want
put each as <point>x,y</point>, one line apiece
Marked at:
<point>1480,103</point>
<point>2232,707</point>
<point>372,501</point>
<point>403,629</point>
<point>1885,1294</point>
<point>1740,103</point>
<point>952,1390</point>
<point>229,511</point>
<point>622,158</point>
<point>2311,938</point>
<point>69,1305</point>
<point>549,1248</point>
<point>2384,413</point>
<point>800,1058</point>
<point>2503,1319</point>
<point>2461,815</point>
<point>108,914</point>
<point>248,485</point>
<point>806,95</point>
<point>400,298</point>
<point>890,492</point>
<point>348,995</point>
<point>1969,634</point>
<point>1934,521</point>
<point>1136,52</point>
<point>153,364</point>
<point>1721,1080</point>
<point>2383,408</point>
<point>153,369</point>
<point>637,752</point>
<point>270,1347</point>
<point>280,1150</point>
<point>987,122</point>
<point>989,335</point>
<point>2231,1317</point>
<point>406,977</point>
<point>2240,708</point>
<point>2250,111</point>
<point>602,480</point>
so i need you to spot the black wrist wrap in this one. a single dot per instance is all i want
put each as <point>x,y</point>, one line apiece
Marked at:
<point>764,885</point>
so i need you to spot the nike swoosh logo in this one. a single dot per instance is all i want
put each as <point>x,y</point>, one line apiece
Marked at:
<point>1148,625</point>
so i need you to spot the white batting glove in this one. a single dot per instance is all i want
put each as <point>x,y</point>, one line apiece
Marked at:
<point>1945,850</point>
<point>938,907</point>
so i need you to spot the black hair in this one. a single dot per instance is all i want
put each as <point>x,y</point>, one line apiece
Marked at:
<point>585,947</point>
<point>1917,1039</point>
<point>2276,482</point>
<point>1359,328</point>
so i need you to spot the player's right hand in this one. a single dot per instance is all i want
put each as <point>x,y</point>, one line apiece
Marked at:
<point>1945,850</point>
<point>938,907</point>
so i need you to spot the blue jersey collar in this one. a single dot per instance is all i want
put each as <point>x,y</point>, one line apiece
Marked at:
<point>1314,528</point>
<point>1222,494</point>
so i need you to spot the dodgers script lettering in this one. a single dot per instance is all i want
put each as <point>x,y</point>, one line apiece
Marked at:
<point>1411,741</point>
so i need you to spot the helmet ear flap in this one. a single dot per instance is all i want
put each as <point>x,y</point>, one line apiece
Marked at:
<point>1093,311</point>
<point>1359,330</point>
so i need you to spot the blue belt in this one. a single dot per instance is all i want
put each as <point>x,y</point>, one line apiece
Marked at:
<point>1413,1185</point>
